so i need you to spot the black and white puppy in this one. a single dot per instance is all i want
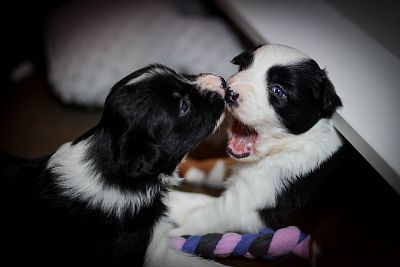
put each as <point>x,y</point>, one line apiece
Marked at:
<point>293,168</point>
<point>281,102</point>
<point>100,199</point>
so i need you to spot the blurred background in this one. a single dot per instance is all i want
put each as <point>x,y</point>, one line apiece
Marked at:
<point>61,57</point>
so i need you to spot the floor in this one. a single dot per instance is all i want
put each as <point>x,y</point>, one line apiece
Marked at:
<point>33,123</point>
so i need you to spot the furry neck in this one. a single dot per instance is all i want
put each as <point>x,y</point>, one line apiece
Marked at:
<point>302,154</point>
<point>79,180</point>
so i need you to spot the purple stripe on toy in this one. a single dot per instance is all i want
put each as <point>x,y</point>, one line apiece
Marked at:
<point>191,244</point>
<point>244,244</point>
<point>267,231</point>
<point>226,244</point>
<point>274,244</point>
<point>302,236</point>
<point>283,241</point>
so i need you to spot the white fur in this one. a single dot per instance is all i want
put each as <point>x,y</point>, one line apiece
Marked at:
<point>78,180</point>
<point>219,122</point>
<point>211,82</point>
<point>279,157</point>
<point>182,203</point>
<point>250,83</point>
<point>255,185</point>
<point>254,109</point>
<point>215,177</point>
<point>142,77</point>
<point>195,176</point>
<point>151,73</point>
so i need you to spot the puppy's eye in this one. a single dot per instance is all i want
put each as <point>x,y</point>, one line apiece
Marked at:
<point>184,107</point>
<point>277,90</point>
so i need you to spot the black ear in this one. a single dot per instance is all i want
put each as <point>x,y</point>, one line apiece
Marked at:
<point>139,157</point>
<point>330,100</point>
<point>244,59</point>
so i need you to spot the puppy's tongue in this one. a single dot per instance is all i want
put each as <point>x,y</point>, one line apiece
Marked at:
<point>243,140</point>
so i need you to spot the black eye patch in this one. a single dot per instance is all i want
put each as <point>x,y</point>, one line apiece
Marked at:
<point>284,76</point>
<point>302,85</point>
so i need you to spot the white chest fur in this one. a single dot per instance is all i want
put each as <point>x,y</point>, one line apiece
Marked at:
<point>258,183</point>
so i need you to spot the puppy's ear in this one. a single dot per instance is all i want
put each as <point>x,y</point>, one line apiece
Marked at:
<point>137,156</point>
<point>245,59</point>
<point>330,100</point>
<point>242,58</point>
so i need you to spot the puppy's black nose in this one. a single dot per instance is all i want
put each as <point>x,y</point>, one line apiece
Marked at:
<point>231,96</point>
<point>223,82</point>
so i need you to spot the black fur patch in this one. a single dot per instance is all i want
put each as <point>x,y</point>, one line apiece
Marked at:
<point>344,182</point>
<point>297,196</point>
<point>141,135</point>
<point>310,95</point>
<point>245,59</point>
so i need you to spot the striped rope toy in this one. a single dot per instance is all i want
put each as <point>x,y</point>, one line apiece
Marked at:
<point>267,244</point>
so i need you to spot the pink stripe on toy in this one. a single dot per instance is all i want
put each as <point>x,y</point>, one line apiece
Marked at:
<point>226,244</point>
<point>303,248</point>
<point>283,241</point>
<point>177,242</point>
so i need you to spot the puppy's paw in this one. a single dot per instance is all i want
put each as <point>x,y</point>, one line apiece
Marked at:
<point>182,204</point>
<point>181,231</point>
<point>193,224</point>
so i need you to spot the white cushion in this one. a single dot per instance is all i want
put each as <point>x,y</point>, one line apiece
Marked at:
<point>90,46</point>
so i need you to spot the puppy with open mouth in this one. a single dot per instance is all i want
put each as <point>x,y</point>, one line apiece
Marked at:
<point>281,103</point>
<point>278,94</point>
<point>101,198</point>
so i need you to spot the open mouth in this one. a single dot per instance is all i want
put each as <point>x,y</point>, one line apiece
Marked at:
<point>243,140</point>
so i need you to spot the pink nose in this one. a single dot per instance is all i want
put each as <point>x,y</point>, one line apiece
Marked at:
<point>231,96</point>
